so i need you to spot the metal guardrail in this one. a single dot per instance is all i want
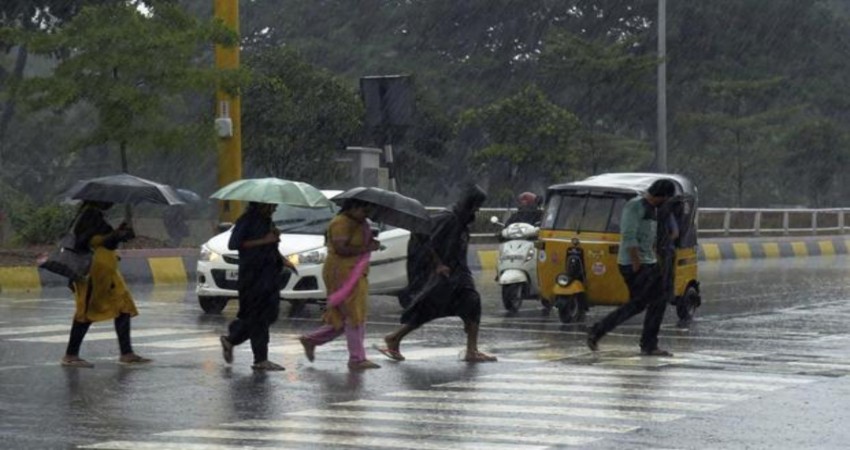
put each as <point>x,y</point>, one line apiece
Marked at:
<point>733,222</point>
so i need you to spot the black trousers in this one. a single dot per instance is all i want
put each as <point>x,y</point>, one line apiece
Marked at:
<point>79,330</point>
<point>646,292</point>
<point>240,330</point>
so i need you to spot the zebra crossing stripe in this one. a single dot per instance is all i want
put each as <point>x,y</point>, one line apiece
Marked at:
<point>465,433</point>
<point>659,381</point>
<point>565,400</point>
<point>137,445</point>
<point>658,391</point>
<point>103,335</point>
<point>194,343</point>
<point>551,426</point>
<point>661,374</point>
<point>526,409</point>
<point>350,440</point>
<point>36,329</point>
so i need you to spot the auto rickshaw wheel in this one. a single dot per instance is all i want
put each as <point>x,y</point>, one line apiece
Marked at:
<point>686,306</point>
<point>512,296</point>
<point>570,309</point>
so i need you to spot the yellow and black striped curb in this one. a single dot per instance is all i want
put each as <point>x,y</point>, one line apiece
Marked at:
<point>177,266</point>
<point>160,267</point>
<point>723,249</point>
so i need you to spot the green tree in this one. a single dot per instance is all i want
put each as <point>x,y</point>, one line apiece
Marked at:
<point>816,156</point>
<point>134,68</point>
<point>738,127</point>
<point>520,140</point>
<point>297,118</point>
<point>598,80</point>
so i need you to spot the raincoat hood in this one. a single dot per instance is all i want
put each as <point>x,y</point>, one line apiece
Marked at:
<point>471,199</point>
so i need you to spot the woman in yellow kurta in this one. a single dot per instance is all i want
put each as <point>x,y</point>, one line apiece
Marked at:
<point>103,295</point>
<point>345,272</point>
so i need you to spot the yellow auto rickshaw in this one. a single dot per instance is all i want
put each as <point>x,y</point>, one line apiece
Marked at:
<point>580,236</point>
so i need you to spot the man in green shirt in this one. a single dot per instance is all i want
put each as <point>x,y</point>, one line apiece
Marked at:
<point>638,265</point>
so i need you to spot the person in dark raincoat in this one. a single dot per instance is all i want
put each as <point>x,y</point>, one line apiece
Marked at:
<point>446,287</point>
<point>261,277</point>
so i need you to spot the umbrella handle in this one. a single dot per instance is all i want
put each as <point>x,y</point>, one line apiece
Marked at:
<point>128,215</point>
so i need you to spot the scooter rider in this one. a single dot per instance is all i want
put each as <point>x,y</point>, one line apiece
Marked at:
<point>528,210</point>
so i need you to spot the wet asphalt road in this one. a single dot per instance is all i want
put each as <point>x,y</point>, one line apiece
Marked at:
<point>764,366</point>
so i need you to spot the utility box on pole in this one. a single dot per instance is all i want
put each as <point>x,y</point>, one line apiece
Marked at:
<point>366,167</point>
<point>229,113</point>
<point>389,101</point>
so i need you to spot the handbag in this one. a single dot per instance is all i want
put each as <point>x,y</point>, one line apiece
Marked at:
<point>68,261</point>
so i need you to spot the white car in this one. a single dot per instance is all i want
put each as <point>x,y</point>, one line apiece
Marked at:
<point>302,241</point>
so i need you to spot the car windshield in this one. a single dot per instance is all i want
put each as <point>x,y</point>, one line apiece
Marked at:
<point>584,211</point>
<point>300,220</point>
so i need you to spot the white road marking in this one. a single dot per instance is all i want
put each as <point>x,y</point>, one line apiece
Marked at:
<point>558,400</point>
<point>702,375</point>
<point>103,335</point>
<point>550,426</point>
<point>138,445</point>
<point>351,440</point>
<point>37,329</point>
<point>457,431</point>
<point>635,381</point>
<point>611,390</point>
<point>503,408</point>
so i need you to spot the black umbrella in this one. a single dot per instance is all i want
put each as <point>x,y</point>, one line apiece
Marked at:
<point>124,188</point>
<point>390,208</point>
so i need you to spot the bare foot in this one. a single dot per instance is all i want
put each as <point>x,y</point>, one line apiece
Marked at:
<point>478,357</point>
<point>363,365</point>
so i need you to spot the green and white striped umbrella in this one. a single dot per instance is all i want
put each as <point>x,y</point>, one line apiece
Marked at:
<point>273,190</point>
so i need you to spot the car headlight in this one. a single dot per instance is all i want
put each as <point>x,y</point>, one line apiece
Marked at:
<point>208,255</point>
<point>562,279</point>
<point>316,256</point>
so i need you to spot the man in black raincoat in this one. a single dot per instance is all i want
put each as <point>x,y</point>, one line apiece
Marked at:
<point>444,287</point>
<point>260,280</point>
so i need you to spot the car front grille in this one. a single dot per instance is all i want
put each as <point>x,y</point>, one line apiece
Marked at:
<point>222,282</point>
<point>231,259</point>
<point>219,276</point>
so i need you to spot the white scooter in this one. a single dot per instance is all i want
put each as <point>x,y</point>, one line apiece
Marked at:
<point>516,271</point>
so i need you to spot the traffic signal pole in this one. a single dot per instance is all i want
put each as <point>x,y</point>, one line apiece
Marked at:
<point>228,113</point>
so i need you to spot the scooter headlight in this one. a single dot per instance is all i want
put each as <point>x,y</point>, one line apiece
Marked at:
<point>562,279</point>
<point>530,254</point>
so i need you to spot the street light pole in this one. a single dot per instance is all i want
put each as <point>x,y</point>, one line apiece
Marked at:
<point>661,148</point>
<point>229,112</point>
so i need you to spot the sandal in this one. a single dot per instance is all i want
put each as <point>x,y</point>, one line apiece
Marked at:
<point>132,358</point>
<point>478,357</point>
<point>309,348</point>
<point>268,366</point>
<point>226,349</point>
<point>363,365</point>
<point>394,355</point>
<point>76,361</point>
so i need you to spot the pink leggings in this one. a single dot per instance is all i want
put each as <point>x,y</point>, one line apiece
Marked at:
<point>353,334</point>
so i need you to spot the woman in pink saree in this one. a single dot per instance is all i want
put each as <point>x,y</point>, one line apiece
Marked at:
<point>350,243</point>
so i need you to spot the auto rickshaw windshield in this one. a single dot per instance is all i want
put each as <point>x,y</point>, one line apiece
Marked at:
<point>585,211</point>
